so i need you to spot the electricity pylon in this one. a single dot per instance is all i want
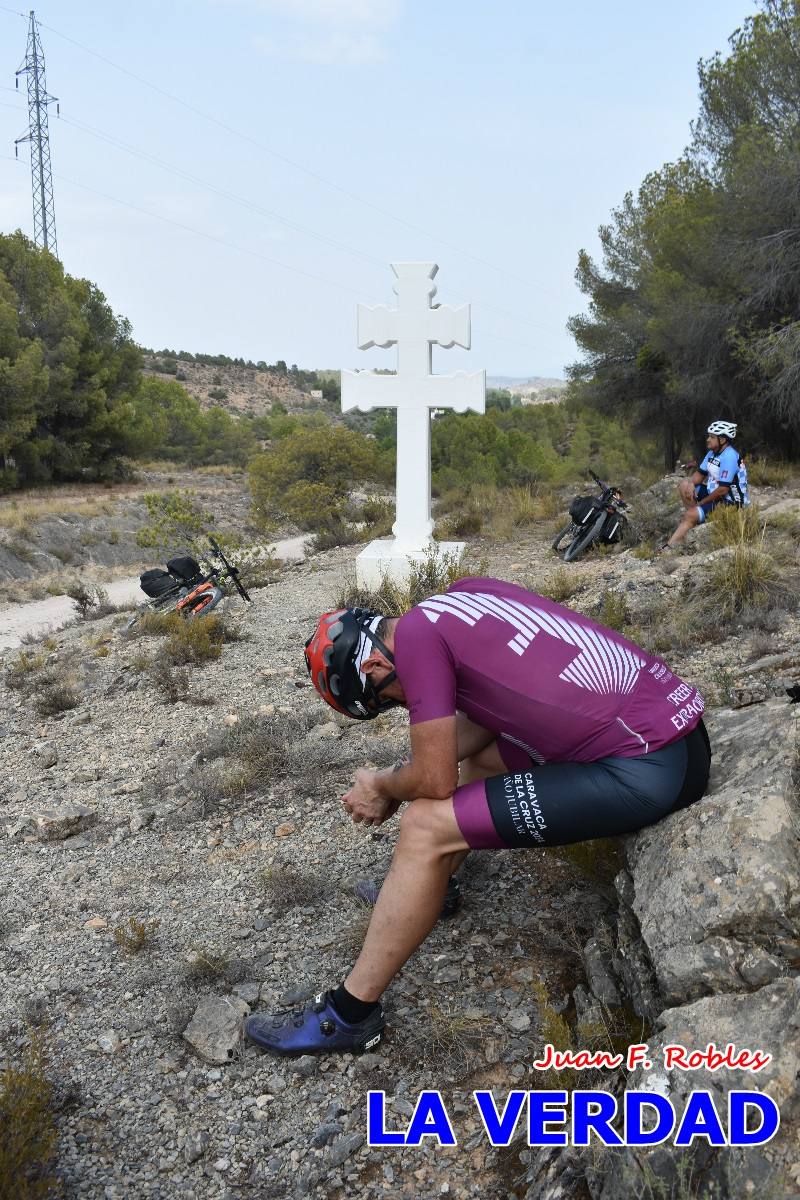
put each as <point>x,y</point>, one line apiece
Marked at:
<point>44,216</point>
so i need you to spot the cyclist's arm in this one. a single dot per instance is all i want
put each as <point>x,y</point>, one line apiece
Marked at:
<point>431,771</point>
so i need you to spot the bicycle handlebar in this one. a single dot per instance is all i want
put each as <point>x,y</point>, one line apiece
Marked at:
<point>233,572</point>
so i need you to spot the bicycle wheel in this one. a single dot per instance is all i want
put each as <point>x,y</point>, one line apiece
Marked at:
<point>584,540</point>
<point>558,540</point>
<point>205,604</point>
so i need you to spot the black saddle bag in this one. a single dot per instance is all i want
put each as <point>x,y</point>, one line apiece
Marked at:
<point>612,528</point>
<point>185,567</point>
<point>580,508</point>
<point>156,583</point>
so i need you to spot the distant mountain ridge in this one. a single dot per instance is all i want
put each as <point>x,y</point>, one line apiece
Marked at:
<point>533,383</point>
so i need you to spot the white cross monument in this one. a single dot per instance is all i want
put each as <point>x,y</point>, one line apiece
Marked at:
<point>414,326</point>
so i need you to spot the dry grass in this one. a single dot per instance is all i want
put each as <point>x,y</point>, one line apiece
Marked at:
<point>22,669</point>
<point>432,576</point>
<point>749,577</point>
<point>20,515</point>
<point>495,512</point>
<point>560,585</point>
<point>444,1038</point>
<point>288,887</point>
<point>134,935</point>
<point>249,756</point>
<point>52,689</point>
<point>769,472</point>
<point>55,690</point>
<point>731,526</point>
<point>27,1128</point>
<point>207,963</point>
<point>172,683</point>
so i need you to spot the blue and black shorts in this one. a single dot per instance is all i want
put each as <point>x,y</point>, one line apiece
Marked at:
<point>701,491</point>
<point>556,804</point>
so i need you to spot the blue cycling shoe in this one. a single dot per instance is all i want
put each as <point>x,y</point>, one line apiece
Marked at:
<point>316,1029</point>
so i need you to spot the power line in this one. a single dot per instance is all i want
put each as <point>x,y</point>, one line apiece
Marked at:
<point>360,293</point>
<point>179,172</point>
<point>230,129</point>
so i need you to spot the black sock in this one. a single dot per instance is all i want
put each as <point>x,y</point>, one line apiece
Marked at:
<point>350,1008</point>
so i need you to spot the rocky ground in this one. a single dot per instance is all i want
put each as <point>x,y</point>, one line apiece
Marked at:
<point>173,863</point>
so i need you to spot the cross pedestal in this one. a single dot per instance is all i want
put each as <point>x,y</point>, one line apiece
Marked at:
<point>413,326</point>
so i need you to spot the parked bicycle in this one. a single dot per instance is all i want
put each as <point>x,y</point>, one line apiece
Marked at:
<point>602,518</point>
<point>186,589</point>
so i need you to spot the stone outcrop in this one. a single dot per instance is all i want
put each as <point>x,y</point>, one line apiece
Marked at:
<point>716,888</point>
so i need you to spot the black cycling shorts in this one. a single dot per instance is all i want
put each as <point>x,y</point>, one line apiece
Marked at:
<point>559,803</point>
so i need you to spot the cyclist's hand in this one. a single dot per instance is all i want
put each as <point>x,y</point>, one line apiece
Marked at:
<point>364,804</point>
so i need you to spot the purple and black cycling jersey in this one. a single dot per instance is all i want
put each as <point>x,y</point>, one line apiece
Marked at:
<point>553,685</point>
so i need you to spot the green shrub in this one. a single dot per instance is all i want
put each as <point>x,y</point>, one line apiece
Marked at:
<point>90,601</point>
<point>189,640</point>
<point>466,523</point>
<point>332,533</point>
<point>195,641</point>
<point>613,610</point>
<point>308,474</point>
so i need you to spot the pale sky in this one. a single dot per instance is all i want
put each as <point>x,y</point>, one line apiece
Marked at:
<point>492,138</point>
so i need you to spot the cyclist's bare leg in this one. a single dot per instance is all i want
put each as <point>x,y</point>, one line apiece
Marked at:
<point>686,493</point>
<point>688,521</point>
<point>429,849</point>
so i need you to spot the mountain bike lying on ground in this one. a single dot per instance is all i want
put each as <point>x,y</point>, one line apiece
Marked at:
<point>186,589</point>
<point>593,519</point>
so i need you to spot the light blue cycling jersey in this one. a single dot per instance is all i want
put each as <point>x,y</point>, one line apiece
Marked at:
<point>723,468</point>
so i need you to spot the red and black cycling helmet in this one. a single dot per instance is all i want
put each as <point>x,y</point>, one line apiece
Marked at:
<point>334,654</point>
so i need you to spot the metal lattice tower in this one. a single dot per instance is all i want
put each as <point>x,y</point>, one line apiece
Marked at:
<point>44,216</point>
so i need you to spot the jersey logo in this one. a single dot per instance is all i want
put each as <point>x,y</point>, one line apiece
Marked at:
<point>601,664</point>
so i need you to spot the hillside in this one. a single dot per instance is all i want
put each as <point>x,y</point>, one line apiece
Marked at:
<point>201,802</point>
<point>245,389</point>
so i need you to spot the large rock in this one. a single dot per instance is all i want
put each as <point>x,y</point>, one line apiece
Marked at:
<point>716,888</point>
<point>60,821</point>
<point>767,1020</point>
<point>215,1030</point>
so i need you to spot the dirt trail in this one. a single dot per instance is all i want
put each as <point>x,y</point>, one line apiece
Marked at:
<point>41,616</point>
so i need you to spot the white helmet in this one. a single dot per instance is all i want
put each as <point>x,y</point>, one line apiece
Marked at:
<point>723,429</point>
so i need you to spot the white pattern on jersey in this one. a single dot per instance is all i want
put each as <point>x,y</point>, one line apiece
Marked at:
<point>602,665</point>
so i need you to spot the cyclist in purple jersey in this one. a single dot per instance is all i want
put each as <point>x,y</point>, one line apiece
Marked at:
<point>531,725</point>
